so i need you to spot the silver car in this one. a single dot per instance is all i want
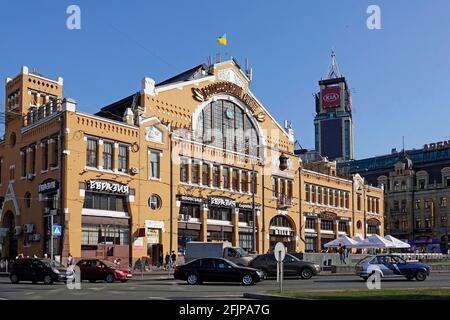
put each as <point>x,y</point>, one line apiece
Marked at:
<point>390,265</point>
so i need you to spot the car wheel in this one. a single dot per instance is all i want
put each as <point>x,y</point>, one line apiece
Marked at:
<point>306,273</point>
<point>421,275</point>
<point>192,279</point>
<point>14,278</point>
<point>109,278</point>
<point>247,280</point>
<point>48,280</point>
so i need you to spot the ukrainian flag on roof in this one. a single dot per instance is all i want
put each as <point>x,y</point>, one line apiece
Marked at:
<point>222,40</point>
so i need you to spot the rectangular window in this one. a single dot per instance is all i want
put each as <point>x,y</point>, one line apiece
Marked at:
<point>313,194</point>
<point>244,181</point>
<point>91,153</point>
<point>184,170</point>
<point>325,196</point>
<point>417,205</point>
<point>418,223</point>
<point>427,204</point>
<point>319,195</point>
<point>326,225</point>
<point>341,199</point>
<point>377,205</point>
<point>122,160</point>
<point>11,173</point>
<point>107,155</point>
<point>190,210</point>
<point>331,197</point>
<point>55,156</point>
<point>1,170</point>
<point>253,183</point>
<point>310,244</point>
<point>289,192</point>
<point>274,187</point>
<point>310,223</point>
<point>155,164</point>
<point>23,159</point>
<point>205,174</point>
<point>33,159</point>
<point>245,241</point>
<point>235,179</point>
<point>245,216</point>
<point>226,177</point>
<point>217,213</point>
<point>103,201</point>
<point>358,202</point>
<point>216,176</point>
<point>447,182</point>
<point>372,229</point>
<point>347,200</point>
<point>443,202</point>
<point>421,184</point>
<point>336,198</point>
<point>307,193</point>
<point>195,172</point>
<point>44,155</point>
<point>342,226</point>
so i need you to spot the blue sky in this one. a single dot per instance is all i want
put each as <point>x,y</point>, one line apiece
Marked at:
<point>398,74</point>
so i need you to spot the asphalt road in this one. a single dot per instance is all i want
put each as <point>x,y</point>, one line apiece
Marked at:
<point>167,289</point>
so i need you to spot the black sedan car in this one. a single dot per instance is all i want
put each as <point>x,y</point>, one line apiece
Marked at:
<point>292,266</point>
<point>216,270</point>
<point>36,270</point>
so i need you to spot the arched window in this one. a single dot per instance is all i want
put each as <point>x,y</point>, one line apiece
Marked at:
<point>280,221</point>
<point>224,124</point>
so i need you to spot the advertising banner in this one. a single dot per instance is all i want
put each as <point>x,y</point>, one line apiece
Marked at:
<point>331,97</point>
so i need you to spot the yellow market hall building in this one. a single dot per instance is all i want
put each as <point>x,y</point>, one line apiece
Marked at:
<point>194,158</point>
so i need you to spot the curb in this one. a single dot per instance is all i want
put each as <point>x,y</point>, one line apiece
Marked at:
<point>260,296</point>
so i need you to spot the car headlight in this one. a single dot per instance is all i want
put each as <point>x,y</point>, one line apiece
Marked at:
<point>317,267</point>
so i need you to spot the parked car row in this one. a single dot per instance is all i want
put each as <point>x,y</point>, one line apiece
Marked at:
<point>203,270</point>
<point>49,271</point>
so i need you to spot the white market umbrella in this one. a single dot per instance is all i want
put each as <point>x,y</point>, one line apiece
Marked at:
<point>397,243</point>
<point>343,241</point>
<point>358,238</point>
<point>375,241</point>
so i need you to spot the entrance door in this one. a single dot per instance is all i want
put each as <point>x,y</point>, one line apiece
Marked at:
<point>155,252</point>
<point>10,243</point>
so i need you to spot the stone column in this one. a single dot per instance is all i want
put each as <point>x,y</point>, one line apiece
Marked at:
<point>100,154</point>
<point>336,228</point>
<point>204,223</point>
<point>115,157</point>
<point>318,242</point>
<point>235,222</point>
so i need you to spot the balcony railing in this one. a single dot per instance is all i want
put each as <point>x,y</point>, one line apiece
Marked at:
<point>37,114</point>
<point>284,201</point>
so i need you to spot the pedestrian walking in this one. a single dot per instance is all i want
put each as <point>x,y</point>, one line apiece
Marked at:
<point>69,260</point>
<point>341,254</point>
<point>167,259</point>
<point>173,257</point>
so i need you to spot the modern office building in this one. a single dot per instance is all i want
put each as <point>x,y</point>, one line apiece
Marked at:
<point>333,121</point>
<point>416,184</point>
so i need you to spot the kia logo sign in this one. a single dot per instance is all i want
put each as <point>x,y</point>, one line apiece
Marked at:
<point>331,97</point>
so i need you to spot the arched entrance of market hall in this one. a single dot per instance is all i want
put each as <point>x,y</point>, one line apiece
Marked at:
<point>9,240</point>
<point>282,229</point>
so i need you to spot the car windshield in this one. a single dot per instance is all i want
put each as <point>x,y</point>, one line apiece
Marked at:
<point>52,263</point>
<point>242,252</point>
<point>360,262</point>
<point>109,264</point>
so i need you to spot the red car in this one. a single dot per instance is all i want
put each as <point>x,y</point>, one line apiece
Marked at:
<point>96,269</point>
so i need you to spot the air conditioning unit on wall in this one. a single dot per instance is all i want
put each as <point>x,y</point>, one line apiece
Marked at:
<point>28,228</point>
<point>18,230</point>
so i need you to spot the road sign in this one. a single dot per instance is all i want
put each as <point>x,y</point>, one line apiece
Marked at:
<point>279,251</point>
<point>56,231</point>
